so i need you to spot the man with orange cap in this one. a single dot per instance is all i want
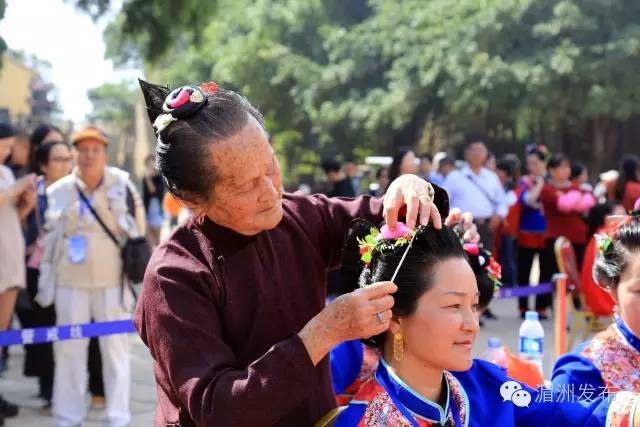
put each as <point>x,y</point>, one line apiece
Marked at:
<point>87,268</point>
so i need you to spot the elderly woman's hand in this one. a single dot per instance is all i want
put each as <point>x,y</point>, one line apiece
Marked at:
<point>470,231</point>
<point>417,194</point>
<point>362,313</point>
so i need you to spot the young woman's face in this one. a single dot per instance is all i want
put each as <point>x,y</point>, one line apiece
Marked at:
<point>535,166</point>
<point>59,164</point>
<point>561,173</point>
<point>627,296</point>
<point>441,332</point>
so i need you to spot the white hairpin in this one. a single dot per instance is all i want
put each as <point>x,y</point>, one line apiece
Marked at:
<point>162,121</point>
<point>404,255</point>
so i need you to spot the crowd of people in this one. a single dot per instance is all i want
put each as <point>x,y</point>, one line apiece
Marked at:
<point>356,307</point>
<point>58,264</point>
<point>520,208</point>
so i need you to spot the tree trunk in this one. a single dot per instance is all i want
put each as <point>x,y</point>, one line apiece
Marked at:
<point>410,134</point>
<point>604,135</point>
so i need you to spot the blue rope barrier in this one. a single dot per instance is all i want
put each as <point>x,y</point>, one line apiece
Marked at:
<point>524,291</point>
<point>98,329</point>
<point>65,332</point>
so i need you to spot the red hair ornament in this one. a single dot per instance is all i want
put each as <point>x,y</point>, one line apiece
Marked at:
<point>209,87</point>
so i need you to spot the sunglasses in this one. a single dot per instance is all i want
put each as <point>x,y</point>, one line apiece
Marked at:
<point>61,159</point>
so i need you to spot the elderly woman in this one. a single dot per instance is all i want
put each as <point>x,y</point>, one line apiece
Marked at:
<point>233,303</point>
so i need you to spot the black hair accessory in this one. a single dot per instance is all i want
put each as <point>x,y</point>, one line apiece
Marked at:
<point>182,102</point>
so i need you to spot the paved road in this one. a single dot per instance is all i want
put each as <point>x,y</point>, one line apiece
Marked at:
<point>21,390</point>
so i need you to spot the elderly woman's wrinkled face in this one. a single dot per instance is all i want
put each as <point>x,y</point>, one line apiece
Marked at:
<point>247,194</point>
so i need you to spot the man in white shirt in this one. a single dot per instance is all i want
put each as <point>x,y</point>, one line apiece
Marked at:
<point>478,190</point>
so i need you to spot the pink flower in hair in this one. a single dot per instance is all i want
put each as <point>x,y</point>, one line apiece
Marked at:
<point>400,231</point>
<point>471,249</point>
<point>636,206</point>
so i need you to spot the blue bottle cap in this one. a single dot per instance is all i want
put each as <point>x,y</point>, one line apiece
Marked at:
<point>531,315</point>
<point>494,342</point>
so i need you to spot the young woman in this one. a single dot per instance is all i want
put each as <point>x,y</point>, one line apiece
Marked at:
<point>611,360</point>
<point>532,225</point>
<point>565,206</point>
<point>353,363</point>
<point>627,188</point>
<point>404,162</point>
<point>430,337</point>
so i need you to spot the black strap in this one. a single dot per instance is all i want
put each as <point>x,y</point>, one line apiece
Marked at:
<point>485,193</point>
<point>123,278</point>
<point>131,203</point>
<point>36,212</point>
<point>95,214</point>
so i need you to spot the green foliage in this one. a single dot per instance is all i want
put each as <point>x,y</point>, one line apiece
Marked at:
<point>114,105</point>
<point>148,28</point>
<point>361,77</point>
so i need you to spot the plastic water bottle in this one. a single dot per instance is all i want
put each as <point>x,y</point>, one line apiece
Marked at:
<point>532,340</point>
<point>495,354</point>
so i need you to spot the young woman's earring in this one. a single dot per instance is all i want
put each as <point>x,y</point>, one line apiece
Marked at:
<point>398,347</point>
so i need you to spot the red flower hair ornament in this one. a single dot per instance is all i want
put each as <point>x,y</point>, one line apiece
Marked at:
<point>209,87</point>
<point>486,261</point>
